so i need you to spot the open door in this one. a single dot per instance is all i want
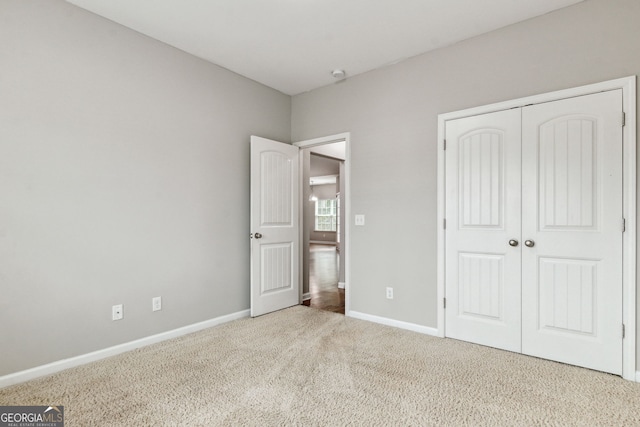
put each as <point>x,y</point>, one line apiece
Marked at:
<point>275,231</point>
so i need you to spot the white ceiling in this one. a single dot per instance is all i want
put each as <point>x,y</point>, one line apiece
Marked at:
<point>293,45</point>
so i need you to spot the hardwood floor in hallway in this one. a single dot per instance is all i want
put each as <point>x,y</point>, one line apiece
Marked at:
<point>323,279</point>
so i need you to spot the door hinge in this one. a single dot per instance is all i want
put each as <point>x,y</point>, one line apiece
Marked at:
<point>444,223</point>
<point>624,119</point>
<point>623,331</point>
<point>444,303</point>
<point>444,145</point>
<point>624,225</point>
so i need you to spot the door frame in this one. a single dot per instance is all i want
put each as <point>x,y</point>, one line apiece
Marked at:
<point>628,87</point>
<point>309,143</point>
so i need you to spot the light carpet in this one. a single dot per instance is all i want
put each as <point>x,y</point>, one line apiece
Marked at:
<point>302,366</point>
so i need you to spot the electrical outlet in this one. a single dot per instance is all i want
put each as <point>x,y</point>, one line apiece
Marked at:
<point>156,304</point>
<point>389,293</point>
<point>359,219</point>
<point>117,312</point>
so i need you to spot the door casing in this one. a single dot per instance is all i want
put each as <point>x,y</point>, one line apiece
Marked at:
<point>628,87</point>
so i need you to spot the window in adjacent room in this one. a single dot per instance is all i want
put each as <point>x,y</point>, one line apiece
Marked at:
<point>326,215</point>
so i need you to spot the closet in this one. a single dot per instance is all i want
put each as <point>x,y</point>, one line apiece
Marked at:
<point>534,230</point>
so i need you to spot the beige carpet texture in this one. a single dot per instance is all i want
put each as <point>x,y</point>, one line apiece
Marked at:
<point>305,367</point>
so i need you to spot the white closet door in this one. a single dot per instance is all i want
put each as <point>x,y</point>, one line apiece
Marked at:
<point>572,214</point>
<point>483,214</point>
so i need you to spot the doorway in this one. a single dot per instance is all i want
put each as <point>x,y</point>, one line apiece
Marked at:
<point>322,221</point>
<point>279,243</point>
<point>325,229</point>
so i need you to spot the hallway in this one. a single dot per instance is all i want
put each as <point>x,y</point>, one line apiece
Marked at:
<point>323,279</point>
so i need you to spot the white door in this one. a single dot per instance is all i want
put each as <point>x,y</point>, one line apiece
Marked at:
<point>572,214</point>
<point>483,215</point>
<point>274,226</point>
<point>534,239</point>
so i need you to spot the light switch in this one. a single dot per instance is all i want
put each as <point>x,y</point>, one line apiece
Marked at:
<point>359,219</point>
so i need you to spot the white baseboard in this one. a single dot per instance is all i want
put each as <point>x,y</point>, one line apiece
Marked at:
<point>395,323</point>
<point>638,376</point>
<point>341,285</point>
<point>306,297</point>
<point>61,365</point>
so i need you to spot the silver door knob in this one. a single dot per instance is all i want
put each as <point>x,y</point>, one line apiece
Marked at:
<point>257,236</point>
<point>529,243</point>
<point>513,242</point>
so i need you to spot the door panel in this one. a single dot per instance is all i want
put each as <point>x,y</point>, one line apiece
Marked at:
<point>483,208</point>
<point>481,177</point>
<point>274,226</point>
<point>572,211</point>
<point>277,263</point>
<point>567,295</point>
<point>481,285</point>
<point>568,174</point>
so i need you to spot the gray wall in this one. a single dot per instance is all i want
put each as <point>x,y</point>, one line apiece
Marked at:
<point>325,191</point>
<point>321,166</point>
<point>392,116</point>
<point>124,175</point>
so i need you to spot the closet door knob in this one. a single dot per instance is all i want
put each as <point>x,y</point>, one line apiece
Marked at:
<point>513,242</point>
<point>529,243</point>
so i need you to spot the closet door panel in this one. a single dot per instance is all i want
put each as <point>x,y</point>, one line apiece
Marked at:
<point>483,214</point>
<point>572,215</point>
